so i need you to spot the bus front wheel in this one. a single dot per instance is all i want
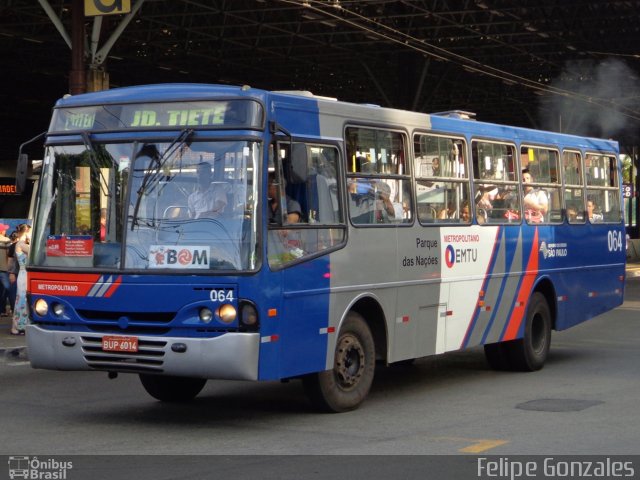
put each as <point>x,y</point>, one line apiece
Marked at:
<point>172,389</point>
<point>345,387</point>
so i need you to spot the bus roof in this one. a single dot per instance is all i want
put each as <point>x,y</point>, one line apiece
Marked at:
<point>306,101</point>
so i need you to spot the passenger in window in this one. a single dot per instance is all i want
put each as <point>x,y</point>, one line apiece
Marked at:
<point>208,200</point>
<point>465,212</point>
<point>486,196</point>
<point>484,202</point>
<point>435,167</point>
<point>591,212</point>
<point>385,210</point>
<point>535,201</point>
<point>508,205</point>
<point>572,214</point>
<point>294,211</point>
<point>361,201</point>
<point>103,224</point>
<point>448,212</point>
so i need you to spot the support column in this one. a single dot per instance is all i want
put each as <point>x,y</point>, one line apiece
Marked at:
<point>77,75</point>
<point>635,227</point>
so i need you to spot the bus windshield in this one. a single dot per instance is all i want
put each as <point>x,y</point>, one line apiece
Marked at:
<point>178,204</point>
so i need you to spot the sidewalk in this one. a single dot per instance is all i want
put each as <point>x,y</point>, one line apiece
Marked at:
<point>15,347</point>
<point>11,346</point>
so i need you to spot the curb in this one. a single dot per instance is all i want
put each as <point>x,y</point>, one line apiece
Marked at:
<point>13,354</point>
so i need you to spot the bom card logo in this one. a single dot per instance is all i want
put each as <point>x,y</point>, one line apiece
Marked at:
<point>171,256</point>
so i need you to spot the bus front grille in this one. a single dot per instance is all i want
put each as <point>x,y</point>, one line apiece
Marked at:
<point>140,317</point>
<point>148,358</point>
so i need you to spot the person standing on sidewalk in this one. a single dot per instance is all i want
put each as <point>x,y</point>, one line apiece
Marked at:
<point>12,269</point>
<point>5,285</point>
<point>21,309</point>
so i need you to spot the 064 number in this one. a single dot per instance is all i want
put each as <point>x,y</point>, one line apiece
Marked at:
<point>614,240</point>
<point>221,295</point>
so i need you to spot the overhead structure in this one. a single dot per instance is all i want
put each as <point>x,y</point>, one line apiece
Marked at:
<point>568,66</point>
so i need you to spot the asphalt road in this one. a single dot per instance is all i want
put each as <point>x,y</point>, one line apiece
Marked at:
<point>585,401</point>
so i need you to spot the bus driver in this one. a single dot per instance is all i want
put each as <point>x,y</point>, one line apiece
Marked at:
<point>206,200</point>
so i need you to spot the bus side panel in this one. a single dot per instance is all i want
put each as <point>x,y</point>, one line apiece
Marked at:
<point>419,316</point>
<point>304,317</point>
<point>589,273</point>
<point>503,283</point>
<point>367,270</point>
<point>485,267</point>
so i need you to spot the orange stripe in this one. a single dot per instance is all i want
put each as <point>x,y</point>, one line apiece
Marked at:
<point>113,287</point>
<point>525,291</point>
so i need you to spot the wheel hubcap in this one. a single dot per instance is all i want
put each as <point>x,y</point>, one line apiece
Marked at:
<point>350,361</point>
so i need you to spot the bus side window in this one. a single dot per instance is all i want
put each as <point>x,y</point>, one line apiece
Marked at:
<point>442,183</point>
<point>542,167</point>
<point>573,193</point>
<point>603,194</point>
<point>378,184</point>
<point>320,225</point>
<point>497,198</point>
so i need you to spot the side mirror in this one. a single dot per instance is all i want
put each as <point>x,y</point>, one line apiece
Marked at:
<point>22,172</point>
<point>22,169</point>
<point>298,168</point>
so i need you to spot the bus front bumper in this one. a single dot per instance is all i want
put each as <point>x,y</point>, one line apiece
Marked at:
<point>231,356</point>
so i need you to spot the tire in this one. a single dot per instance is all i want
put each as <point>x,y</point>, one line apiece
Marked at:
<point>497,355</point>
<point>172,389</point>
<point>529,353</point>
<point>345,387</point>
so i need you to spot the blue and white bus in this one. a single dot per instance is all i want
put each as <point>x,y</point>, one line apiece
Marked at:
<point>321,237</point>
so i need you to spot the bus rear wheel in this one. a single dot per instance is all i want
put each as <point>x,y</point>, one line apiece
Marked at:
<point>529,353</point>
<point>497,355</point>
<point>172,389</point>
<point>345,387</point>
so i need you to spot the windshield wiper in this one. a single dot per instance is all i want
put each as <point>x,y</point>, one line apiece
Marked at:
<point>151,177</point>
<point>94,163</point>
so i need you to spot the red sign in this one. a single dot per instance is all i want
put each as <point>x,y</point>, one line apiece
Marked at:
<point>8,189</point>
<point>70,246</point>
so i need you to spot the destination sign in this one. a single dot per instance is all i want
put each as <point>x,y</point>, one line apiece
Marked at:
<point>210,114</point>
<point>190,117</point>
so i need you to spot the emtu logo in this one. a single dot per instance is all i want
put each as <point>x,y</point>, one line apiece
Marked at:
<point>460,255</point>
<point>450,256</point>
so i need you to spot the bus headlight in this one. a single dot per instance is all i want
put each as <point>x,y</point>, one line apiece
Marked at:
<point>249,315</point>
<point>206,315</point>
<point>41,307</point>
<point>227,313</point>
<point>57,309</point>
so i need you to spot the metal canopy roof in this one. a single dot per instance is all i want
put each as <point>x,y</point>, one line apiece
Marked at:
<point>566,65</point>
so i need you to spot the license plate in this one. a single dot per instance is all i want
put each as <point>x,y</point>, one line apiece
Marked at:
<point>119,344</point>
